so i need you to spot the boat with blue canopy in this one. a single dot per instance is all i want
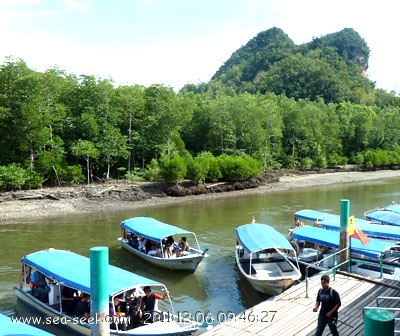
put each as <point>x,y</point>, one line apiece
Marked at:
<point>332,222</point>
<point>157,243</point>
<point>67,270</point>
<point>262,258</point>
<point>379,258</point>
<point>14,327</point>
<point>389,215</point>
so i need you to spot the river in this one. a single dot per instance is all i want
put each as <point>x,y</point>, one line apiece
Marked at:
<point>217,286</point>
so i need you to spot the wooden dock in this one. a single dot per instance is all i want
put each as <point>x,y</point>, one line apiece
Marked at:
<point>291,312</point>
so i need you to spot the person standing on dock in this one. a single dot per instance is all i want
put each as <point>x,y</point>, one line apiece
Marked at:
<point>329,300</point>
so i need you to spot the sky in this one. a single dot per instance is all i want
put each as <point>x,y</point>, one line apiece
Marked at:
<point>178,42</point>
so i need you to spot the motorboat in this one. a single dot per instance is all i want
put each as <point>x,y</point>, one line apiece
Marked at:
<point>332,222</point>
<point>143,235</point>
<point>317,246</point>
<point>62,268</point>
<point>261,256</point>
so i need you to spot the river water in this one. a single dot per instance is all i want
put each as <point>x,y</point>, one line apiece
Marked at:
<point>217,286</point>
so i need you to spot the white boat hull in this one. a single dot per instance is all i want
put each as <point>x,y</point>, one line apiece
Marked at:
<point>172,326</point>
<point>186,263</point>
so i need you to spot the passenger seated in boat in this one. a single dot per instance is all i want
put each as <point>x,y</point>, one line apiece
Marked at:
<point>148,305</point>
<point>25,274</point>
<point>142,247</point>
<point>133,241</point>
<point>39,286</point>
<point>148,245</point>
<point>118,314</point>
<point>83,307</point>
<point>69,298</point>
<point>134,300</point>
<point>169,246</point>
<point>155,251</point>
<point>184,248</point>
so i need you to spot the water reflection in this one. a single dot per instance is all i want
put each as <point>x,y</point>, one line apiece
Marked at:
<point>217,285</point>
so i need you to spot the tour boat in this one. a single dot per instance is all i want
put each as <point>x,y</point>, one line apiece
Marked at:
<point>332,222</point>
<point>139,234</point>
<point>262,257</point>
<point>316,247</point>
<point>65,268</point>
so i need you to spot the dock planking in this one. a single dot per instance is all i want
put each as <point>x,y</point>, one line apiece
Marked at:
<point>290,313</point>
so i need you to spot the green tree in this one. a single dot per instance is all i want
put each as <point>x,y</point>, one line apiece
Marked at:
<point>173,169</point>
<point>86,149</point>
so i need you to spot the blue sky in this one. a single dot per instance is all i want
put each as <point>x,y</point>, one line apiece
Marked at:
<point>175,42</point>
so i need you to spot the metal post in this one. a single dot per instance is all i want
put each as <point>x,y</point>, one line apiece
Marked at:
<point>344,233</point>
<point>99,291</point>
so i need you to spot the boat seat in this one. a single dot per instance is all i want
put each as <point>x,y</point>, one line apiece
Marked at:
<point>276,259</point>
<point>263,260</point>
<point>255,261</point>
<point>285,266</point>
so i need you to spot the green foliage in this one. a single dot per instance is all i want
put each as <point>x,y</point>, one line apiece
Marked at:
<point>237,167</point>
<point>320,162</point>
<point>136,174</point>
<point>271,105</point>
<point>306,163</point>
<point>14,177</point>
<point>153,171</point>
<point>199,167</point>
<point>72,175</point>
<point>331,67</point>
<point>379,158</point>
<point>173,169</point>
<point>335,160</point>
<point>214,172</point>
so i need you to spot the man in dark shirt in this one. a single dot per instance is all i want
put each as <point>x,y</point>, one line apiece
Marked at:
<point>69,297</point>
<point>83,307</point>
<point>328,314</point>
<point>148,304</point>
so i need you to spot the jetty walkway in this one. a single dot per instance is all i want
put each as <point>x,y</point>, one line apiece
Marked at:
<point>290,313</point>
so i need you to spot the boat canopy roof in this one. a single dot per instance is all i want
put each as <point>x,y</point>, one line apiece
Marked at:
<point>332,222</point>
<point>8,327</point>
<point>73,270</point>
<point>312,234</point>
<point>151,228</point>
<point>393,208</point>
<point>257,237</point>
<point>384,216</point>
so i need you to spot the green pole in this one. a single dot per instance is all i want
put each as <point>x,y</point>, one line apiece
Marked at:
<point>344,233</point>
<point>99,291</point>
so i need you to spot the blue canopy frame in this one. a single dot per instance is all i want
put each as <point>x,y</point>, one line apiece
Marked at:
<point>73,270</point>
<point>257,237</point>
